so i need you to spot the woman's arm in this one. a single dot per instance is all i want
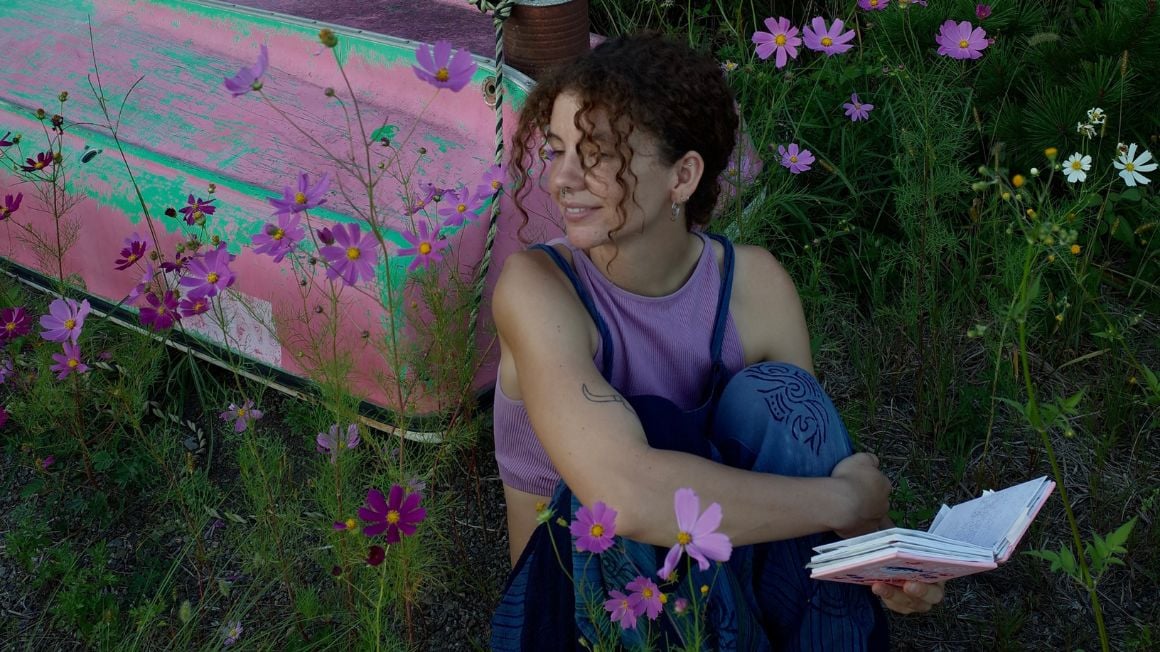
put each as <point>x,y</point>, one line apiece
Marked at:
<point>597,443</point>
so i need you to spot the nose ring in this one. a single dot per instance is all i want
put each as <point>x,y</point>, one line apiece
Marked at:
<point>564,191</point>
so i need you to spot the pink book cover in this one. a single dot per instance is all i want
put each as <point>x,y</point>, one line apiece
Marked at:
<point>896,567</point>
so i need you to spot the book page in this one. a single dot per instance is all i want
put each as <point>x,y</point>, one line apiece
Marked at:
<point>987,521</point>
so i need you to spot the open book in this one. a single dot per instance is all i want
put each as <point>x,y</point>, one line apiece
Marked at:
<point>968,538</point>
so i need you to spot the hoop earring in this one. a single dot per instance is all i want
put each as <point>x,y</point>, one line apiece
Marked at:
<point>676,211</point>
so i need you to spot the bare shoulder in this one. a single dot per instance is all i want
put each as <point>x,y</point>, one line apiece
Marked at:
<point>767,310</point>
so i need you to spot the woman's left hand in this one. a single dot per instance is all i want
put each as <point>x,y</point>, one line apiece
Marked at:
<point>912,597</point>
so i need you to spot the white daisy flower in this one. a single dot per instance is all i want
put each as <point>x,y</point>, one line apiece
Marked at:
<point>1096,116</point>
<point>1086,129</point>
<point>1131,166</point>
<point>1076,167</point>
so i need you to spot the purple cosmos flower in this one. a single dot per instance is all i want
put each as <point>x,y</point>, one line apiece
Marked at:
<point>209,274</point>
<point>645,597</point>
<point>797,160</point>
<point>64,320</point>
<point>305,198</point>
<point>191,306</point>
<point>961,40</point>
<point>196,209</point>
<point>161,313</point>
<point>14,322</point>
<point>132,252</point>
<point>458,207</point>
<point>376,555</point>
<point>68,362</point>
<point>4,142</point>
<point>142,284</point>
<point>856,110</point>
<point>42,161</point>
<point>249,78</point>
<point>241,416</point>
<point>982,12</point>
<point>232,632</point>
<point>332,442</point>
<point>176,266</point>
<point>873,5</point>
<point>619,606</point>
<point>279,239</point>
<point>10,205</point>
<point>444,69</point>
<point>594,528</point>
<point>416,485</point>
<point>47,462</point>
<point>425,247</point>
<point>680,606</point>
<point>398,513</point>
<point>353,256</point>
<point>696,533</point>
<point>6,370</point>
<point>830,40</point>
<point>349,525</point>
<point>491,183</point>
<point>782,38</point>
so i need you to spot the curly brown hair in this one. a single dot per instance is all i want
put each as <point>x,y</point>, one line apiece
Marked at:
<point>664,88</point>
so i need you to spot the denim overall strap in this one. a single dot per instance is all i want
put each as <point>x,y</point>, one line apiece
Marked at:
<point>718,371</point>
<point>586,299</point>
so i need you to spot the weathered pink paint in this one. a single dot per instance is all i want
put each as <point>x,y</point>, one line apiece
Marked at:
<point>183,131</point>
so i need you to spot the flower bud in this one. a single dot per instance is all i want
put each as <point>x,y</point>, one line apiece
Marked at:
<point>328,91</point>
<point>325,236</point>
<point>1034,172</point>
<point>328,37</point>
<point>1051,153</point>
<point>40,114</point>
<point>1006,196</point>
<point>63,97</point>
<point>979,186</point>
<point>1018,181</point>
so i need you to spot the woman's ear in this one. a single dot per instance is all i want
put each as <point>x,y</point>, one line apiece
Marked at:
<point>689,169</point>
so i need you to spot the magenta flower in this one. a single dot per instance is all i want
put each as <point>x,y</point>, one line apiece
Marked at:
<point>873,5</point>
<point>279,239</point>
<point>4,142</point>
<point>621,609</point>
<point>249,78</point>
<point>68,362</point>
<point>241,416</point>
<point>782,38</point>
<point>353,255</point>
<point>196,209</point>
<point>231,633</point>
<point>444,69</point>
<point>190,306</point>
<point>325,236</point>
<point>305,198</point>
<point>458,207</point>
<point>696,533</point>
<point>47,462</point>
<point>645,597</point>
<point>209,274</point>
<point>64,320</point>
<point>376,555</point>
<point>349,525</point>
<point>594,528</point>
<point>961,40</point>
<point>856,110</point>
<point>399,513</point>
<point>142,284</point>
<point>14,323</point>
<point>425,247</point>
<point>10,205</point>
<point>797,160</point>
<point>6,370</point>
<point>680,606</point>
<point>982,12</point>
<point>830,40</point>
<point>42,161</point>
<point>132,252</point>
<point>491,183</point>
<point>161,312</point>
<point>333,443</point>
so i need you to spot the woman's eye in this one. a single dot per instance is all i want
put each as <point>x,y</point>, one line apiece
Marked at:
<point>547,153</point>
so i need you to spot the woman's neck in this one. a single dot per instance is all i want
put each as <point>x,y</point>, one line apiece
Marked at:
<point>653,265</point>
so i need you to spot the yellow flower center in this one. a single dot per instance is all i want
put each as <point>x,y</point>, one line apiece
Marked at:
<point>597,530</point>
<point>684,538</point>
<point>352,253</point>
<point>963,44</point>
<point>873,3</point>
<point>462,208</point>
<point>11,326</point>
<point>424,248</point>
<point>160,310</point>
<point>241,413</point>
<point>1129,166</point>
<point>39,165</point>
<point>350,524</point>
<point>793,159</point>
<point>779,39</point>
<point>495,185</point>
<point>647,593</point>
<point>664,599</point>
<point>442,74</point>
<point>278,234</point>
<point>73,362</point>
<point>197,215</point>
<point>392,516</point>
<point>299,198</point>
<point>1076,165</point>
<point>70,324</point>
<point>212,277</point>
<point>624,604</point>
<point>827,41</point>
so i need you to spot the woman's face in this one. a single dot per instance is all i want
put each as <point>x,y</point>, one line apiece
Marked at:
<point>588,199</point>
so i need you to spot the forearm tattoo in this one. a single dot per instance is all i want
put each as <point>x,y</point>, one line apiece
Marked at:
<point>606,398</point>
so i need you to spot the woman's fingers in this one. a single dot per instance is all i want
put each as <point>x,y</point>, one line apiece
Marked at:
<point>913,597</point>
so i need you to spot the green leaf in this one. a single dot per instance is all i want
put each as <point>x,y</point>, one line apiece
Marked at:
<point>1071,403</point>
<point>32,488</point>
<point>385,131</point>
<point>102,461</point>
<point>1118,538</point>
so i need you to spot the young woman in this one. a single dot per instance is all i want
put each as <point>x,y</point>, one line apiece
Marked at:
<point>640,356</point>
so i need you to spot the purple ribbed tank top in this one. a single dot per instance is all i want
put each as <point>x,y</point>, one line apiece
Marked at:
<point>661,346</point>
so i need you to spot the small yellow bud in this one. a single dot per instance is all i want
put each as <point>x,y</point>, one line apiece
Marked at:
<point>1006,196</point>
<point>63,97</point>
<point>704,589</point>
<point>1031,213</point>
<point>1075,249</point>
<point>1051,258</point>
<point>1051,153</point>
<point>328,37</point>
<point>1018,181</point>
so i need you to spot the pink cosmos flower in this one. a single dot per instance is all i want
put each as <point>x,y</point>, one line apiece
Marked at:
<point>782,38</point>
<point>397,514</point>
<point>831,40</point>
<point>621,610</point>
<point>491,183</point>
<point>190,307</point>
<point>4,142</point>
<point>305,198</point>
<point>425,247</point>
<point>332,442</point>
<point>161,313</point>
<point>594,528</point>
<point>64,320</point>
<point>196,209</point>
<point>68,362</point>
<point>857,110</point>
<point>873,5</point>
<point>444,69</point>
<point>279,239</point>
<point>696,533</point>
<point>47,462</point>
<point>353,255</point>
<point>982,12</point>
<point>797,160</point>
<point>142,284</point>
<point>133,251</point>
<point>376,555</point>
<point>249,78</point>
<point>11,204</point>
<point>961,40</point>
<point>241,416</point>
<point>680,606</point>
<point>645,597</point>
<point>14,322</point>
<point>458,207</point>
<point>209,274</point>
<point>43,160</point>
